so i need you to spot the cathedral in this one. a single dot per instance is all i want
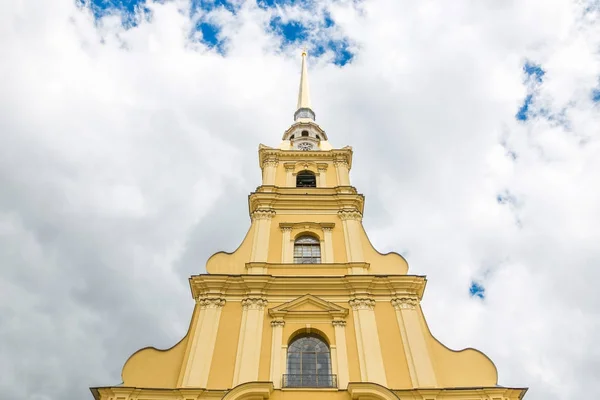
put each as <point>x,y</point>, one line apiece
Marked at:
<point>306,307</point>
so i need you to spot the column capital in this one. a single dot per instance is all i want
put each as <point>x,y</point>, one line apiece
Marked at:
<point>285,228</point>
<point>405,303</point>
<point>210,302</point>
<point>270,161</point>
<point>362,303</point>
<point>338,323</point>
<point>267,213</point>
<point>277,323</point>
<point>341,162</point>
<point>350,214</point>
<point>254,303</point>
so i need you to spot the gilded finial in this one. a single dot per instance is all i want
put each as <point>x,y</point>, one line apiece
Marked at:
<point>304,52</point>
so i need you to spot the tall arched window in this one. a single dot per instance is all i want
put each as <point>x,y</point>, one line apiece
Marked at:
<point>309,363</point>
<point>307,250</point>
<point>306,179</point>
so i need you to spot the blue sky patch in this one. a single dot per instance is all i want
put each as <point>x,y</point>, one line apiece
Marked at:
<point>523,113</point>
<point>596,95</point>
<point>477,290</point>
<point>292,31</point>
<point>534,71</point>
<point>210,36</point>
<point>209,5</point>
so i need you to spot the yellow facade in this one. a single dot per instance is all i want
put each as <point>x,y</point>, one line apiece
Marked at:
<point>257,306</point>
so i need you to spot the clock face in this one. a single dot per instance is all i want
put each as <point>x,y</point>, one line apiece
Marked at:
<point>305,146</point>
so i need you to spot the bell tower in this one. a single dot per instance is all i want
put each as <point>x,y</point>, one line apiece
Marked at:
<point>305,306</point>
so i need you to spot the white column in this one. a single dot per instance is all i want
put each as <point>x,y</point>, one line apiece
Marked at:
<point>203,342</point>
<point>285,244</point>
<point>343,373</point>
<point>276,340</point>
<point>343,172</point>
<point>328,245</point>
<point>261,219</point>
<point>269,170</point>
<point>248,351</point>
<point>420,368</point>
<point>351,224</point>
<point>367,337</point>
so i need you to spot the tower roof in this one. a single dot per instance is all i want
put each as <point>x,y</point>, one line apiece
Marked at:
<point>304,110</point>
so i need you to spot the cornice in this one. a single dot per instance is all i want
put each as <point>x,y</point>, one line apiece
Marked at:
<point>307,225</point>
<point>343,155</point>
<point>377,287</point>
<point>325,199</point>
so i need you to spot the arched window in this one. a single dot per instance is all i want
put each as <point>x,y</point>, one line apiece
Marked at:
<point>307,250</point>
<point>306,179</point>
<point>304,133</point>
<point>309,363</point>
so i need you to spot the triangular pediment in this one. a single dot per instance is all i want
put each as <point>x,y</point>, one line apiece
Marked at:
<point>308,305</point>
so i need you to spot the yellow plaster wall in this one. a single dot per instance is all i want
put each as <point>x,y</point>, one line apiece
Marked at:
<point>154,368</point>
<point>392,349</point>
<point>223,362</point>
<point>463,368</point>
<point>232,263</point>
<point>382,264</point>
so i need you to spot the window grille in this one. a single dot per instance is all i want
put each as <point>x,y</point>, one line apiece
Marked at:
<point>307,250</point>
<point>309,363</point>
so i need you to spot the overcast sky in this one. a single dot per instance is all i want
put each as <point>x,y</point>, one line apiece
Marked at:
<point>128,146</point>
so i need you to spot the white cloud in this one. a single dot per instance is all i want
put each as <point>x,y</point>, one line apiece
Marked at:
<point>126,157</point>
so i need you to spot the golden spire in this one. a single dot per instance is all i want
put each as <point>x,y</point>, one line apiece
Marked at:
<point>304,92</point>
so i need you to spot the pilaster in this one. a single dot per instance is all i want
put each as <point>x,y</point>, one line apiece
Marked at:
<point>261,219</point>
<point>342,169</point>
<point>367,337</point>
<point>249,344</point>
<point>203,342</point>
<point>276,341</point>
<point>327,244</point>
<point>269,169</point>
<point>351,223</point>
<point>343,373</point>
<point>286,245</point>
<point>413,339</point>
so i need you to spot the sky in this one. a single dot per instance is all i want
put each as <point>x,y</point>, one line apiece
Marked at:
<point>128,145</point>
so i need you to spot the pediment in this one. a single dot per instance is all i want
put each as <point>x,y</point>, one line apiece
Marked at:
<point>308,305</point>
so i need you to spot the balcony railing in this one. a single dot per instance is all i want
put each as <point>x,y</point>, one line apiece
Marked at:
<point>310,381</point>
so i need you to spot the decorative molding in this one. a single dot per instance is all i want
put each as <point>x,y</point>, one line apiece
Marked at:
<point>362,303</point>
<point>263,214</point>
<point>306,225</point>
<point>285,228</point>
<point>322,167</point>
<point>350,214</point>
<point>254,303</point>
<point>405,303</point>
<point>270,161</point>
<point>210,302</point>
<point>277,323</point>
<point>338,323</point>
